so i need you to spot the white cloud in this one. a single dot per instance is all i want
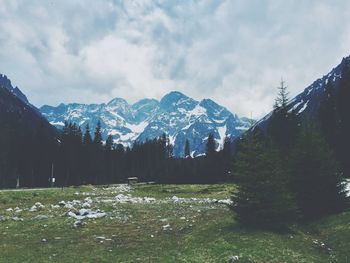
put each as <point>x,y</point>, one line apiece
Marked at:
<point>234,52</point>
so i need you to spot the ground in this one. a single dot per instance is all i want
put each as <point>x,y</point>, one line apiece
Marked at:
<point>153,223</point>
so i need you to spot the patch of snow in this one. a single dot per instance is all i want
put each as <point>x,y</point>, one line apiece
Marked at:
<point>347,187</point>
<point>57,123</point>
<point>242,128</point>
<point>219,121</point>
<point>222,132</point>
<point>197,111</point>
<point>137,128</point>
<point>296,106</point>
<point>303,108</point>
<point>172,139</point>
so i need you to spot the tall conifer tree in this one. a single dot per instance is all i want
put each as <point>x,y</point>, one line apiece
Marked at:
<point>316,176</point>
<point>263,199</point>
<point>187,152</point>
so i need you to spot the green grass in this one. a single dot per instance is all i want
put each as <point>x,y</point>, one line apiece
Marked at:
<point>200,232</point>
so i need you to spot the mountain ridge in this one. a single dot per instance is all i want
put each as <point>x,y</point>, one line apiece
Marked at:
<point>18,114</point>
<point>307,103</point>
<point>176,114</point>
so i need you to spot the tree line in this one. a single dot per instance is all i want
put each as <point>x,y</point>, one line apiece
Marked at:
<point>77,157</point>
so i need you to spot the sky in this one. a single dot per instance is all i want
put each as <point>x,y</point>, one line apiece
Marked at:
<point>232,51</point>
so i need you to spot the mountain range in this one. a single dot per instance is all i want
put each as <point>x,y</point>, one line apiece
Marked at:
<point>177,115</point>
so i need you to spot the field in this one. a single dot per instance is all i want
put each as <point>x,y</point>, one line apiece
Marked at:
<point>153,223</point>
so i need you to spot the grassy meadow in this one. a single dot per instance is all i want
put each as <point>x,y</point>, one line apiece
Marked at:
<point>154,223</point>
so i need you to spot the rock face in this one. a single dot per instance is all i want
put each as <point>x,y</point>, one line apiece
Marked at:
<point>177,115</point>
<point>6,84</point>
<point>18,114</point>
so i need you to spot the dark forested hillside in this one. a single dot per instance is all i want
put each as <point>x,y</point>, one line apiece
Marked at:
<point>326,101</point>
<point>26,141</point>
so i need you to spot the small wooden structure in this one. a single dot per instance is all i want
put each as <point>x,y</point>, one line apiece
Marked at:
<point>132,180</point>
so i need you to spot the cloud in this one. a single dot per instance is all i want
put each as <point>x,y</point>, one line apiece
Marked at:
<point>234,52</point>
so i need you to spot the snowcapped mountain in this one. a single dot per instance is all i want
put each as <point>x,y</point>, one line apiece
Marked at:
<point>177,115</point>
<point>307,103</point>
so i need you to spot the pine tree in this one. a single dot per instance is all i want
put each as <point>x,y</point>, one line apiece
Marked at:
<point>169,148</point>
<point>316,176</point>
<point>87,140</point>
<point>282,97</point>
<point>97,176</point>
<point>227,158</point>
<point>211,146</point>
<point>227,151</point>
<point>98,135</point>
<point>263,199</point>
<point>108,160</point>
<point>109,143</point>
<point>283,124</point>
<point>187,152</point>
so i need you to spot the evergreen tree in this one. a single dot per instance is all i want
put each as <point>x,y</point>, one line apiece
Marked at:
<point>87,140</point>
<point>169,148</point>
<point>187,152</point>
<point>211,146</point>
<point>316,176</point>
<point>227,158</point>
<point>97,156</point>
<point>227,150</point>
<point>282,99</point>
<point>108,160</point>
<point>263,199</point>
<point>283,125</point>
<point>109,143</point>
<point>98,135</point>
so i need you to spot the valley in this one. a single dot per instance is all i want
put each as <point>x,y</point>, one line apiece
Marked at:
<point>153,223</point>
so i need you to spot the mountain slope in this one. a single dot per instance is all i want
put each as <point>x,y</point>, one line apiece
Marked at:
<point>18,114</point>
<point>6,84</point>
<point>326,102</point>
<point>307,104</point>
<point>177,115</point>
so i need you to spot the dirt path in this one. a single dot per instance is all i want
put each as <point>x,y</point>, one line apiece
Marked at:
<point>27,189</point>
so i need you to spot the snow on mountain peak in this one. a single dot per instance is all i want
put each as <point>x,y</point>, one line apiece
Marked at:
<point>177,115</point>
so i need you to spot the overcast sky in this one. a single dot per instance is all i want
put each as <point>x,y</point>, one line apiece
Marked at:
<point>232,51</point>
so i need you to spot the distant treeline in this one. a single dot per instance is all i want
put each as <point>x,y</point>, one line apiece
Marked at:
<point>31,160</point>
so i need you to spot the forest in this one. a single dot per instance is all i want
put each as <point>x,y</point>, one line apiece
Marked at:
<point>77,158</point>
